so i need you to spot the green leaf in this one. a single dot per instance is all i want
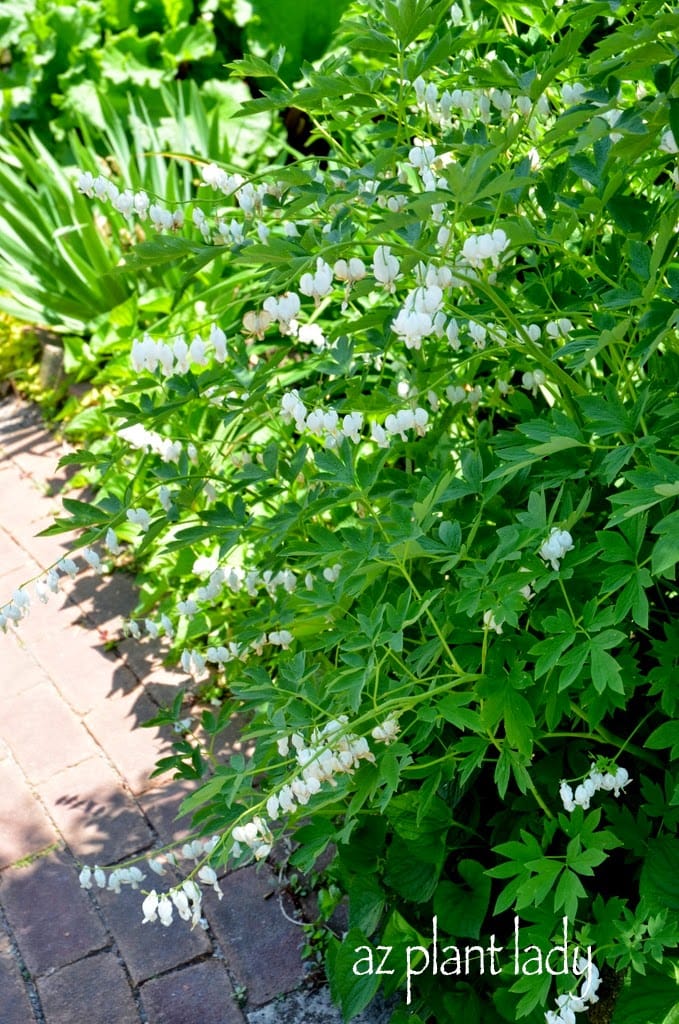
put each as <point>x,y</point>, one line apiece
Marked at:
<point>519,722</point>
<point>352,991</point>
<point>632,214</point>
<point>535,889</point>
<point>503,702</point>
<point>189,43</point>
<point>452,708</point>
<point>665,556</point>
<point>605,670</point>
<point>462,909</point>
<point>572,663</point>
<point>84,514</point>
<point>649,997</point>
<point>659,882</point>
<point>549,652</point>
<point>164,249</point>
<point>303,27</point>
<point>413,878</point>
<point>313,839</point>
<point>425,835</point>
<point>366,903</point>
<point>666,735</point>
<point>568,892</point>
<point>673,105</point>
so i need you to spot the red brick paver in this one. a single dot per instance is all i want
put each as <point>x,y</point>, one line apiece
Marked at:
<point>261,946</point>
<point>49,914</point>
<point>93,990</point>
<point>201,994</point>
<point>16,1008</point>
<point>95,815</point>
<point>24,826</point>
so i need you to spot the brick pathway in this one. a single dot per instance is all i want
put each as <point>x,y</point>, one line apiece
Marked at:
<point>75,786</point>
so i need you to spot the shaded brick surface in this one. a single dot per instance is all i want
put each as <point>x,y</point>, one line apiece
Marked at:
<point>24,826</point>
<point>19,670</point>
<point>45,735</point>
<point>133,750</point>
<point>51,917</point>
<point>150,949</point>
<point>161,807</point>
<point>106,600</point>
<point>200,994</point>
<point>97,818</point>
<point>14,1004</point>
<point>261,946</point>
<point>75,657</point>
<point>146,662</point>
<point>92,991</point>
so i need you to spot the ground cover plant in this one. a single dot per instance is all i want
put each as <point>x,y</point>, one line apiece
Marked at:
<point>404,484</point>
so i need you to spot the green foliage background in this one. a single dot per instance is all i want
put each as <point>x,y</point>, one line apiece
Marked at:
<point>460,816</point>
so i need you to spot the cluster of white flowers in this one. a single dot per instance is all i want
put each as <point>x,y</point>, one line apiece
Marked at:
<point>331,751</point>
<point>386,268</point>
<point>328,426</point>
<point>249,198</point>
<point>283,311</point>
<point>386,731</point>
<point>178,357</point>
<point>220,180</point>
<point>236,579</point>
<point>143,439</point>
<point>425,161</point>
<point>154,629</point>
<point>130,203</point>
<point>116,878</point>
<point>398,424</point>
<point>195,664</point>
<point>614,782</point>
<point>478,333</point>
<point>555,547</point>
<point>139,517</point>
<point>186,898</point>
<point>533,380</point>
<point>350,272</point>
<point>569,1004</point>
<point>560,328</point>
<point>256,835</point>
<point>18,607</point>
<point>458,394</point>
<point>318,284</point>
<point>478,249</point>
<point>456,105</point>
<point>421,316</point>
